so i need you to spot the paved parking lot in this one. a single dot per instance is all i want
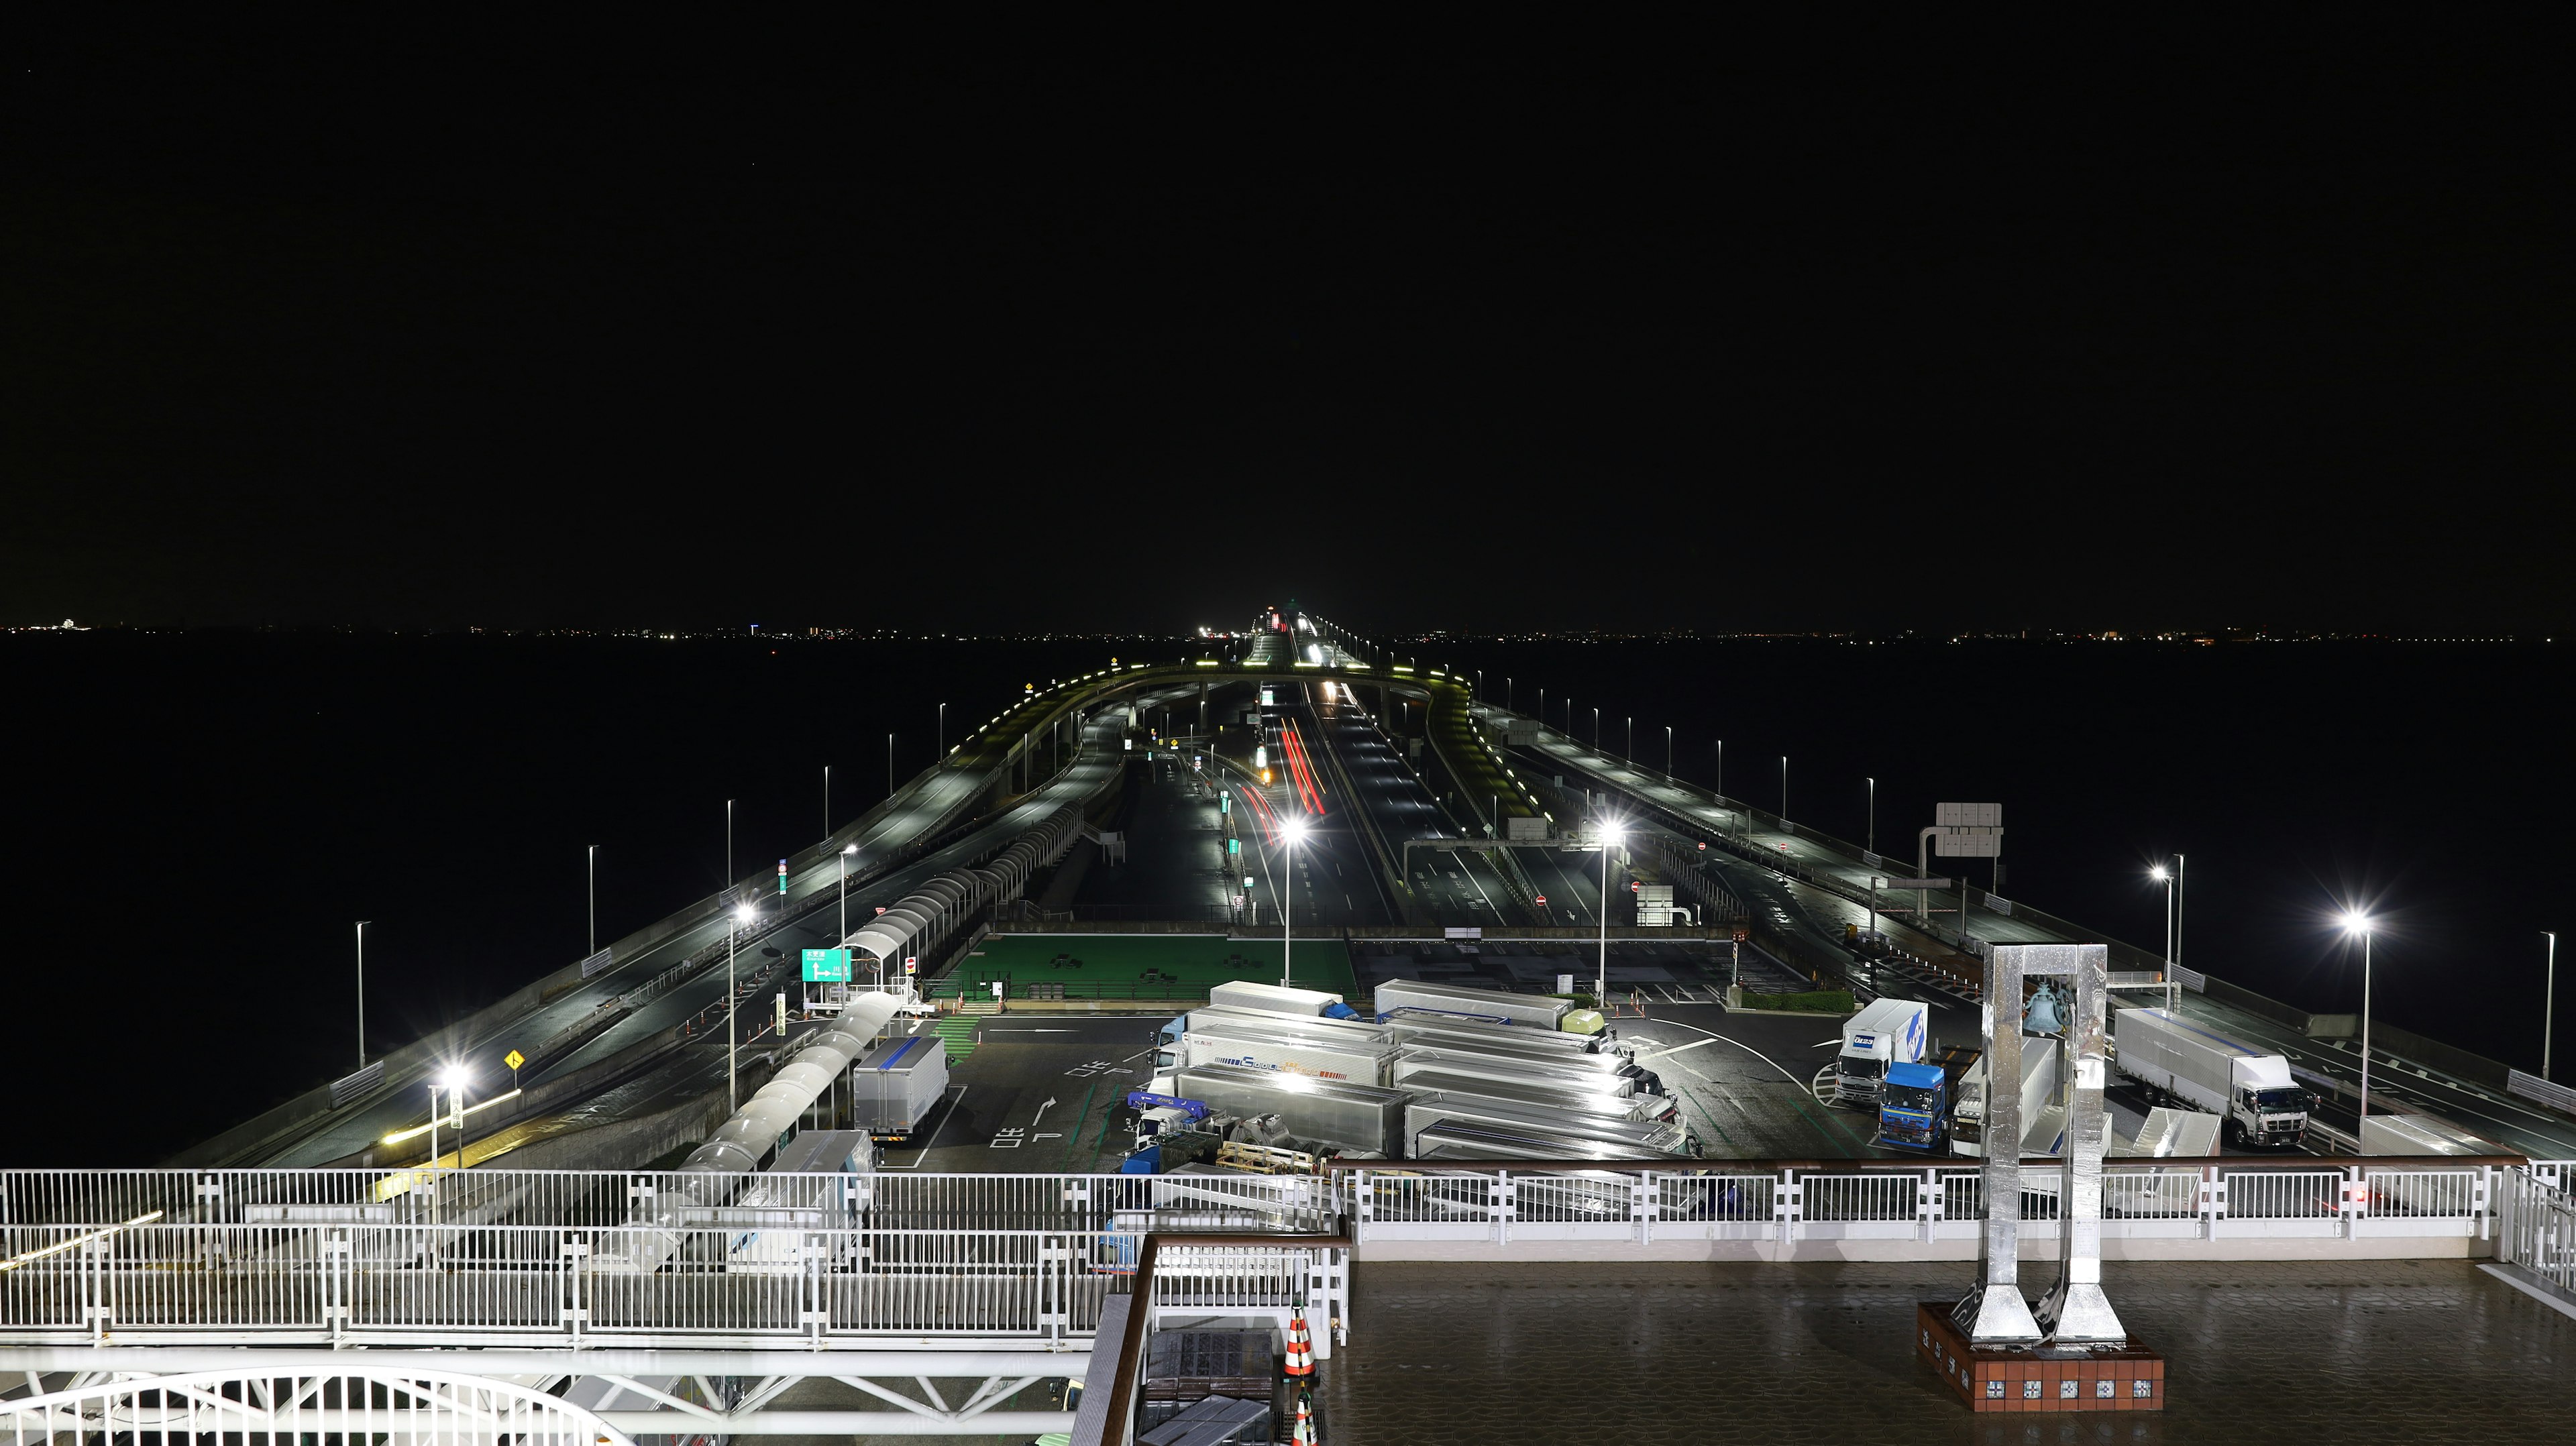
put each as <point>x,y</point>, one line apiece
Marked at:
<point>2397,1351</point>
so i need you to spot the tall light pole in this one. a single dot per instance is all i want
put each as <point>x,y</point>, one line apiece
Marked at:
<point>728,843</point>
<point>1784,790</point>
<point>1507,695</point>
<point>1631,754</point>
<point>890,765</point>
<point>2160,875</point>
<point>733,934</point>
<point>1596,730</point>
<point>844,857</point>
<point>1872,845</point>
<point>1668,752</point>
<point>939,744</point>
<point>2357,922</point>
<point>2548,1003</point>
<point>827,800</point>
<point>594,898</point>
<point>1291,833</point>
<point>362,998</point>
<point>1610,836</point>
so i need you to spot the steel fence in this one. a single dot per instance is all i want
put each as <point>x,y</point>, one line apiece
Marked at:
<point>2207,1201</point>
<point>2537,1226</point>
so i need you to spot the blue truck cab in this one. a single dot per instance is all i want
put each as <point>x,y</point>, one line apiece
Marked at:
<point>1913,1108</point>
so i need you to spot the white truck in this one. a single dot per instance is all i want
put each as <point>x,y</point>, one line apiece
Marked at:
<point>1888,1031</point>
<point>2248,1088</point>
<point>2043,1113</point>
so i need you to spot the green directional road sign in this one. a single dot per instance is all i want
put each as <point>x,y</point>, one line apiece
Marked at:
<point>827,966</point>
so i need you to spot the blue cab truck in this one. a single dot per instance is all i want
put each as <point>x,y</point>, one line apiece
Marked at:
<point>1914,1105</point>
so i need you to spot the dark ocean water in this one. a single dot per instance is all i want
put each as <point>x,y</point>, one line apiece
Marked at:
<point>196,821</point>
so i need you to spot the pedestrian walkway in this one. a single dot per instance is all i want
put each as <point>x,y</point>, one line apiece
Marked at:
<point>2413,1351</point>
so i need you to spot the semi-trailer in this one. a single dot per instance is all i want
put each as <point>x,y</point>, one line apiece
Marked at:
<point>1587,1073</point>
<point>2043,1118</point>
<point>1424,1111</point>
<point>1279,999</point>
<point>2248,1087</point>
<point>1528,1011</point>
<point>1293,1046</point>
<point>1444,1029</point>
<point>1355,1117</point>
<point>1885,1032</point>
<point>1542,1094</point>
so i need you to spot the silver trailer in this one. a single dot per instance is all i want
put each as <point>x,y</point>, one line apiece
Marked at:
<point>1481,1113</point>
<point>1271,999</point>
<point>1456,1141</point>
<point>1350,1116</point>
<point>1541,1094</point>
<point>1583,1074</point>
<point>1291,1046</point>
<point>818,1182</point>
<point>1449,1031</point>
<point>1528,1011</point>
<point>897,1083</point>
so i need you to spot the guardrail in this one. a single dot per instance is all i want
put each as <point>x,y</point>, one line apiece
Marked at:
<point>533,1257</point>
<point>1539,1206</point>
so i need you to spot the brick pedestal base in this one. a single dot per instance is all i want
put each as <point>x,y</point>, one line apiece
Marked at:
<point>2048,1378</point>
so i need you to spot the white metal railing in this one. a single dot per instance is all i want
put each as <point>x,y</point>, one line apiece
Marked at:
<point>499,1256</point>
<point>401,1407</point>
<point>2536,1228</point>
<point>2207,1201</point>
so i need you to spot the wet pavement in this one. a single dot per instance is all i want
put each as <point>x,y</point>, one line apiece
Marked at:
<point>2413,1351</point>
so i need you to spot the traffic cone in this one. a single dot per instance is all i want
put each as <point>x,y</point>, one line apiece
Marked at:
<point>1301,1347</point>
<point>1304,1435</point>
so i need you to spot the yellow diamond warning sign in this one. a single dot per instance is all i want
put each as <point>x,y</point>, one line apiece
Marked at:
<point>514,1059</point>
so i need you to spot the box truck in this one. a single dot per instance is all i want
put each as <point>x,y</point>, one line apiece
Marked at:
<point>1915,1108</point>
<point>2043,1114</point>
<point>1292,1046</point>
<point>2247,1087</point>
<point>896,1084</point>
<point>1888,1031</point>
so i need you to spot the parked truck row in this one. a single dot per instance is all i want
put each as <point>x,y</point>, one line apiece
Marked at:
<point>1440,1071</point>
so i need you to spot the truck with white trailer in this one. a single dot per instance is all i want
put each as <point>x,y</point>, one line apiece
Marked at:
<point>1292,1046</point>
<point>2043,1111</point>
<point>1244,994</point>
<point>897,1083</point>
<point>1646,1139</point>
<point>1885,1032</point>
<point>1546,1094</point>
<point>2249,1088</point>
<point>1498,1006</point>
<point>1347,1116</point>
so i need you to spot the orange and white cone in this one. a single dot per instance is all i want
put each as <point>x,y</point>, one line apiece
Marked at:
<point>1301,1346</point>
<point>1304,1435</point>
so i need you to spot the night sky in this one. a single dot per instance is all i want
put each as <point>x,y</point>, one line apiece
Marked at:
<point>1848,330</point>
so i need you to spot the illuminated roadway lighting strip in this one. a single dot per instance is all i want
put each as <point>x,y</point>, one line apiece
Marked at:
<point>419,1130</point>
<point>13,1262</point>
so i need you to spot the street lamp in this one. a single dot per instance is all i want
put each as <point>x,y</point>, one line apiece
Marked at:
<point>362,997</point>
<point>1873,816</point>
<point>827,800</point>
<point>1784,791</point>
<point>844,857</point>
<point>2165,877</point>
<point>733,933</point>
<point>1668,753</point>
<point>2357,922</point>
<point>2548,1002</point>
<point>939,743</point>
<point>1291,833</point>
<point>453,1081</point>
<point>594,898</point>
<point>728,843</point>
<point>1610,837</point>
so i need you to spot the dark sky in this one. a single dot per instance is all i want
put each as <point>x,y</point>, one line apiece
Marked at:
<point>2196,328</point>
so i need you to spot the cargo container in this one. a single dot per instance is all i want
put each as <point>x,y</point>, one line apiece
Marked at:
<point>1530,1011</point>
<point>1278,999</point>
<point>1583,1074</point>
<point>1456,1140</point>
<point>1540,1093</point>
<point>1291,1046</point>
<point>2249,1088</point>
<point>1886,1032</point>
<point>896,1084</point>
<point>1449,1030</point>
<point>1424,1111</point>
<point>1328,1112</point>
<point>2043,1116</point>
